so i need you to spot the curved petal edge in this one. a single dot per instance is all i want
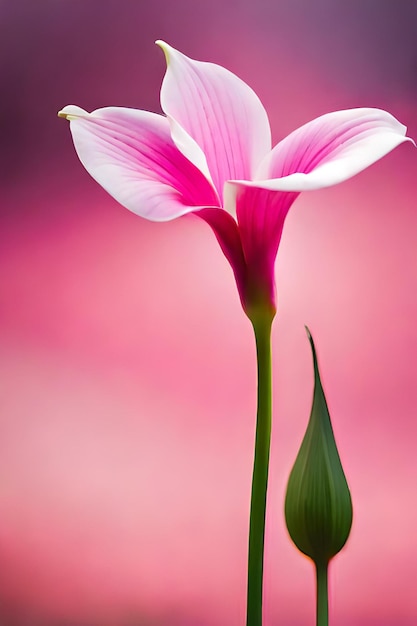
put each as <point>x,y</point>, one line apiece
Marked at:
<point>330,150</point>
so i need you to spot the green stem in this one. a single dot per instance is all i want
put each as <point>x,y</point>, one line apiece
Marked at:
<point>322,608</point>
<point>262,329</point>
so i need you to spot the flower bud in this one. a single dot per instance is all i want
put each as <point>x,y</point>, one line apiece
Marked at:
<point>318,506</point>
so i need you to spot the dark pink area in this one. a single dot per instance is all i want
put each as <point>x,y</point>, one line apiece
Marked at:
<point>127,366</point>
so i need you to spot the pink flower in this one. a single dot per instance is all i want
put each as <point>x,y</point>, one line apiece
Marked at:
<point>211,155</point>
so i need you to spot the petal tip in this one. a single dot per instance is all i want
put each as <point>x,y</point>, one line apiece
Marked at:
<point>165,48</point>
<point>71,112</point>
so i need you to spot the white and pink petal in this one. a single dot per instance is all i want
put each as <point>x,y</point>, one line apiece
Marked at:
<point>131,154</point>
<point>330,149</point>
<point>220,112</point>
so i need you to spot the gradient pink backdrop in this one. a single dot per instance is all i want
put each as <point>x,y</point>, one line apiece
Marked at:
<point>127,371</point>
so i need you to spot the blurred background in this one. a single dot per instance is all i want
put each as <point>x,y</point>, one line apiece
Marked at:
<point>127,368</point>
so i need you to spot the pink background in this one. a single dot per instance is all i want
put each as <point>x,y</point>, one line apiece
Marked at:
<point>127,366</point>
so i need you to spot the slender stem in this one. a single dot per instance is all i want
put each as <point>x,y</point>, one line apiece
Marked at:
<point>262,329</point>
<point>322,607</point>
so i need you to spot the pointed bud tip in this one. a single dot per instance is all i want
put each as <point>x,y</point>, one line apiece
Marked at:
<point>62,114</point>
<point>313,347</point>
<point>318,505</point>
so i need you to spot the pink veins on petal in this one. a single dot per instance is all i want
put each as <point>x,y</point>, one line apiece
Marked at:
<point>210,154</point>
<point>131,154</point>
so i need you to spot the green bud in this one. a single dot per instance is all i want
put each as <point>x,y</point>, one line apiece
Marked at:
<point>318,506</point>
